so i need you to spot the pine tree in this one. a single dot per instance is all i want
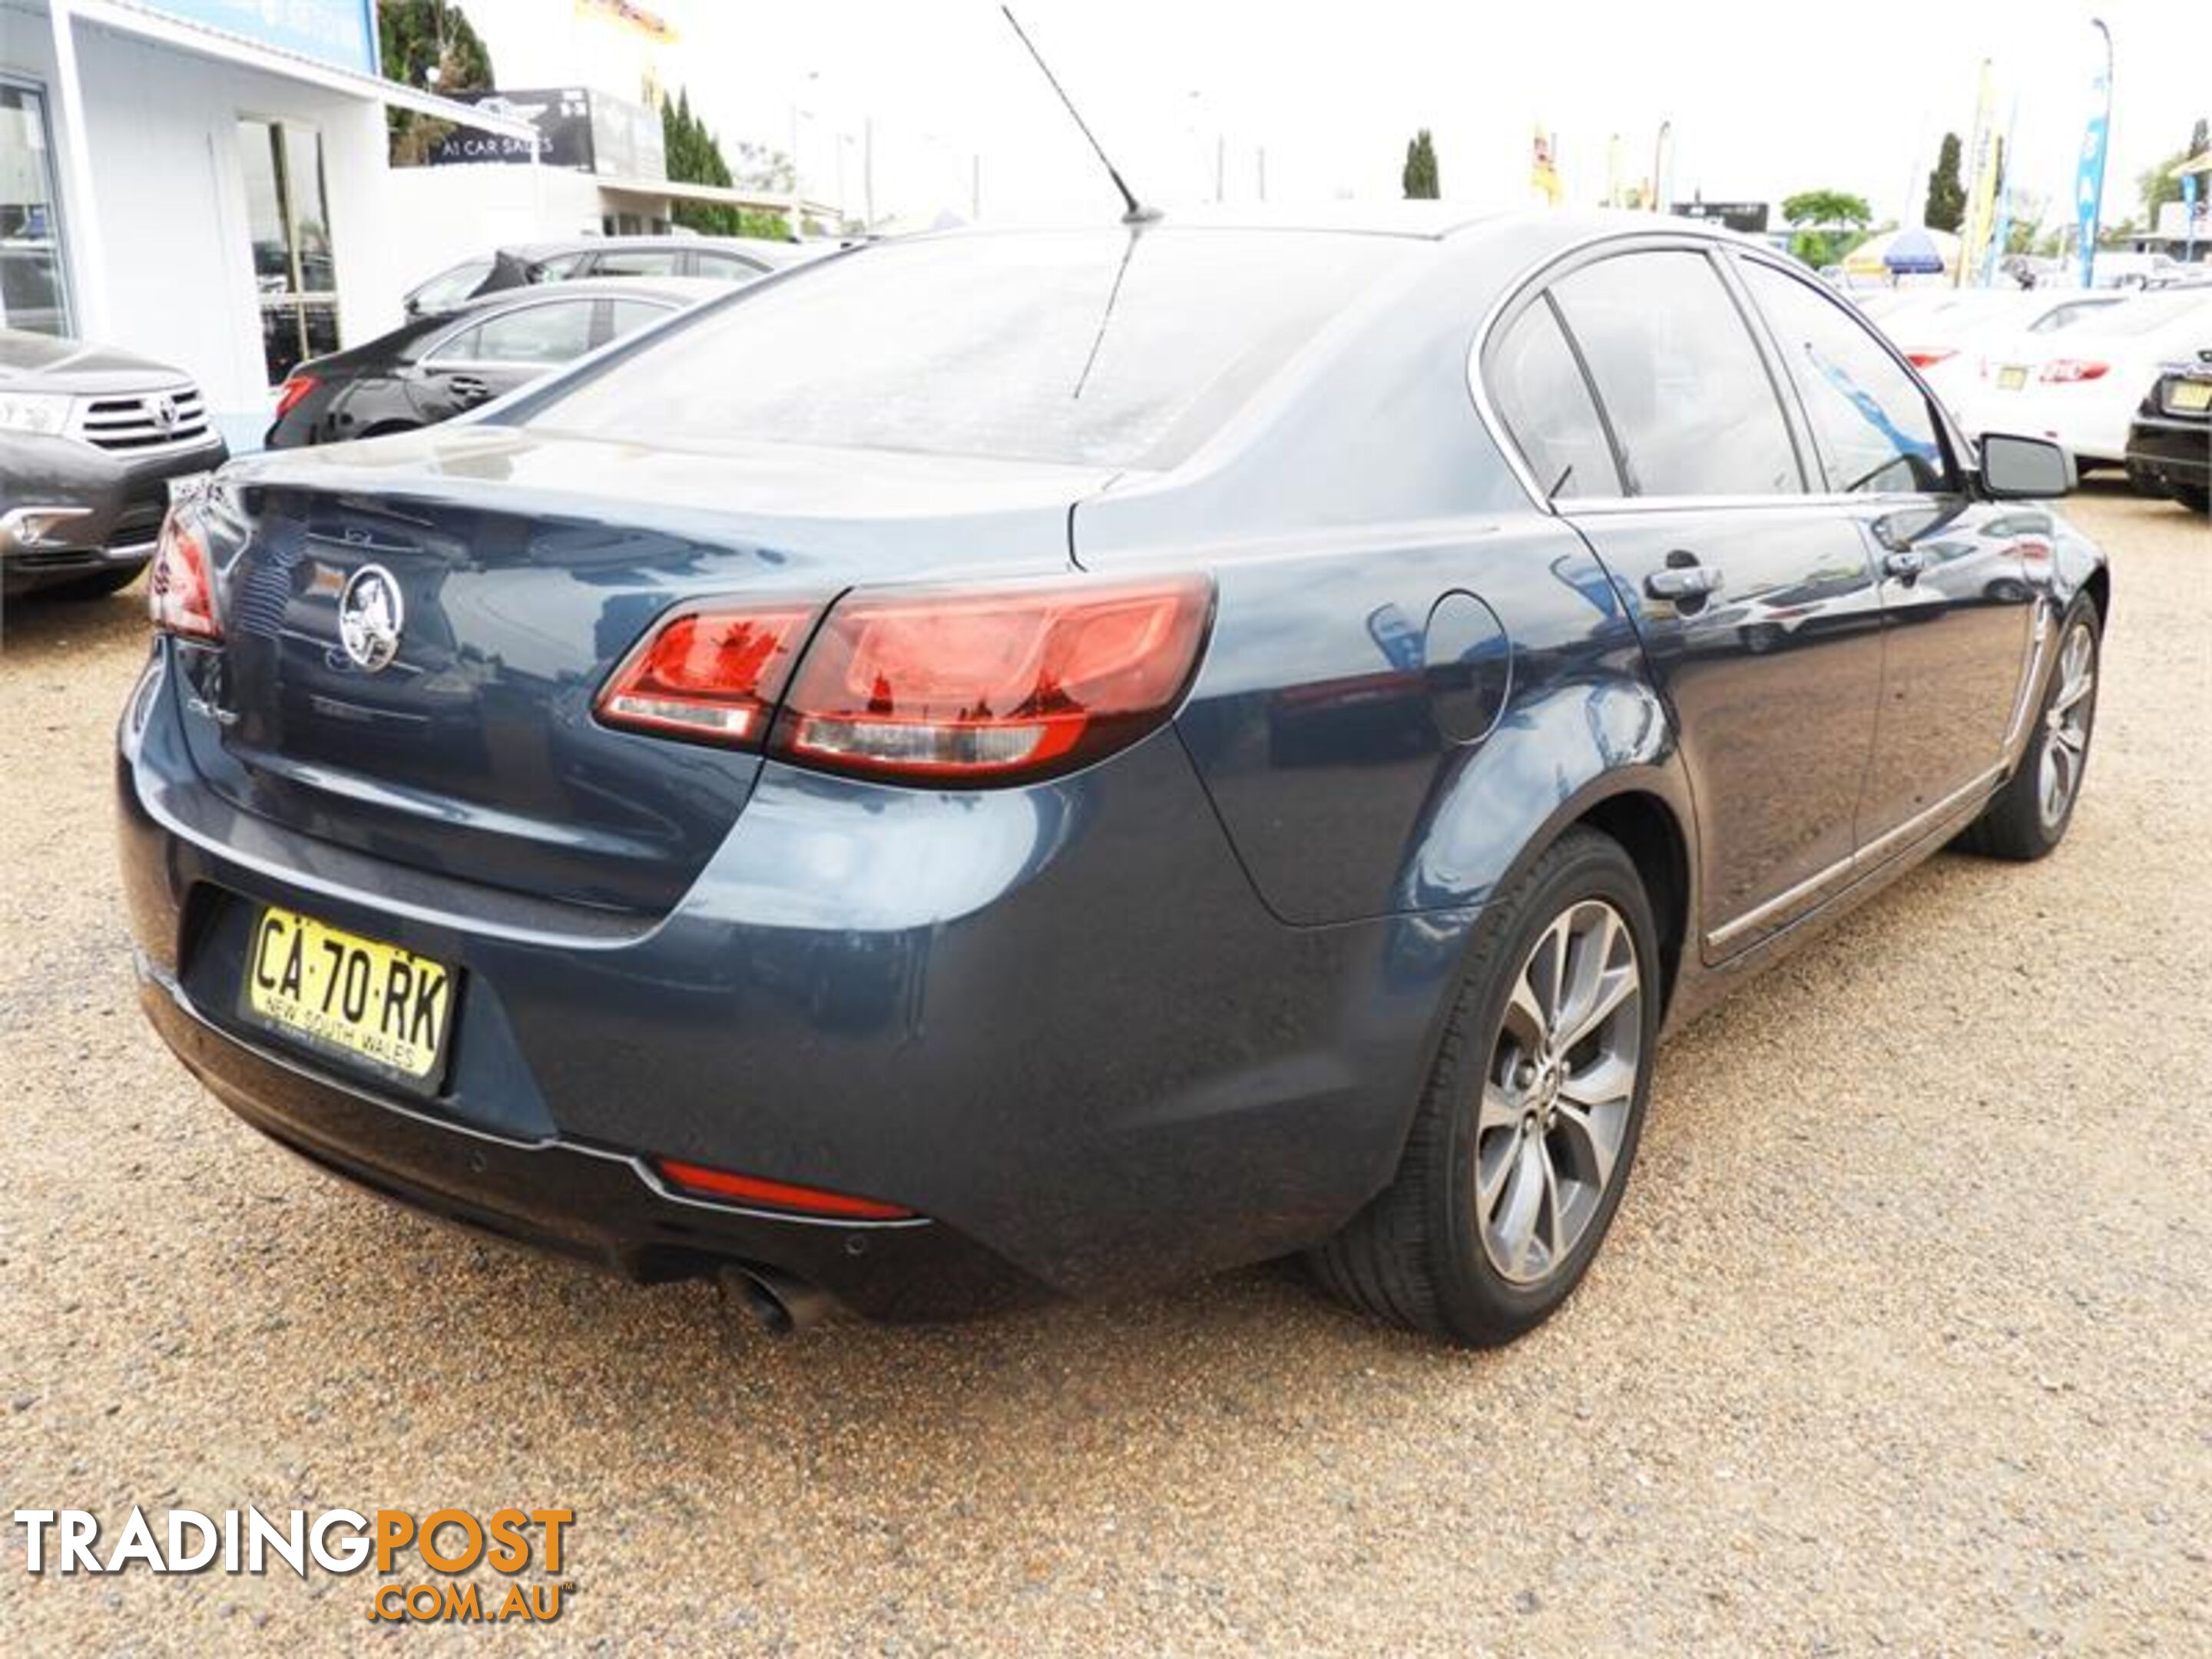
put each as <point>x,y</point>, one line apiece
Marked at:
<point>1419,175</point>
<point>695,157</point>
<point>1946,194</point>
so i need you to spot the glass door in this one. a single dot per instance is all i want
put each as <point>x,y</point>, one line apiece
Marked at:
<point>287,218</point>
<point>34,277</point>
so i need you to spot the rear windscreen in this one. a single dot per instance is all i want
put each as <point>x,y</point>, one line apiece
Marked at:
<point>1092,347</point>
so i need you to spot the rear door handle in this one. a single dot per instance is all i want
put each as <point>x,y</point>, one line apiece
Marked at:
<point>1906,563</point>
<point>1682,581</point>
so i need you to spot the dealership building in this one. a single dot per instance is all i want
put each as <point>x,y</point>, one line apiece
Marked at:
<point>205,182</point>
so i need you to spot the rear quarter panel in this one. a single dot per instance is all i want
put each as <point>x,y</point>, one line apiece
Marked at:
<point>1369,753</point>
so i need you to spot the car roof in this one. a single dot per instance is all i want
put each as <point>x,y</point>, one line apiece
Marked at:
<point>686,290</point>
<point>758,247</point>
<point>1432,221</point>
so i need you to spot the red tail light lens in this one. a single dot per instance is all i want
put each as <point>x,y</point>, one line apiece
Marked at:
<point>180,586</point>
<point>702,1181</point>
<point>713,673</point>
<point>1928,359</point>
<point>292,391</point>
<point>2064,369</point>
<point>1019,681</point>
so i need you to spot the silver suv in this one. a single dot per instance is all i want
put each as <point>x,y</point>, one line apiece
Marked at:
<point>90,441</point>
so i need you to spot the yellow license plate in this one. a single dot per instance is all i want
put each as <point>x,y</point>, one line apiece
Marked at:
<point>2011,380</point>
<point>348,995</point>
<point>2190,394</point>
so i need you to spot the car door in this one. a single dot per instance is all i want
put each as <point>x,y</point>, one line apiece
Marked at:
<point>1959,575</point>
<point>1758,606</point>
<point>488,358</point>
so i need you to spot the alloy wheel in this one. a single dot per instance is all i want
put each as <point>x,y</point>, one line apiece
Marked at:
<point>1558,1091</point>
<point>2066,726</point>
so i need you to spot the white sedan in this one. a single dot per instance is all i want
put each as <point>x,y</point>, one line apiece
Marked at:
<point>1949,338</point>
<point>2081,385</point>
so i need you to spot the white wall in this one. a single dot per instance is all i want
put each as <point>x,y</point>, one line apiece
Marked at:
<point>455,213</point>
<point>162,126</point>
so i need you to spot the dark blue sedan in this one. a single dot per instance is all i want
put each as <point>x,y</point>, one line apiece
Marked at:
<point>1014,764</point>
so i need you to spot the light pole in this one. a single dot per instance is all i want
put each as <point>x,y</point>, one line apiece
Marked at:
<point>1659,166</point>
<point>796,116</point>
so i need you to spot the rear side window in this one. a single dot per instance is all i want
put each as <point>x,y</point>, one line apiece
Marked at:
<point>636,262</point>
<point>536,334</point>
<point>1539,393</point>
<point>449,288</point>
<point>724,267</point>
<point>630,315</point>
<point>1094,347</point>
<point>1871,423</point>
<point>1680,377</point>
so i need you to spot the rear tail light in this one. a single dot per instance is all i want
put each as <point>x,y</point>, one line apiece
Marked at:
<point>180,586</point>
<point>1928,359</point>
<point>712,673</point>
<point>2064,370</point>
<point>292,391</point>
<point>983,685</point>
<point>1020,682</point>
<point>700,1182</point>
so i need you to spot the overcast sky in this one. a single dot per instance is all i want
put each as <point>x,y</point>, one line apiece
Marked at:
<point>1765,99</point>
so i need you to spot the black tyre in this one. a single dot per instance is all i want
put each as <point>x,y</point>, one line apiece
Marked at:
<point>2198,498</point>
<point>2144,481</point>
<point>2028,816</point>
<point>97,585</point>
<point>1525,1134</point>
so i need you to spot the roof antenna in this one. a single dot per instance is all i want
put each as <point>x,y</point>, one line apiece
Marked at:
<point>1139,214</point>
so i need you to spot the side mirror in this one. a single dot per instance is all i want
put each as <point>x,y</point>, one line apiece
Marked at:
<point>2023,469</point>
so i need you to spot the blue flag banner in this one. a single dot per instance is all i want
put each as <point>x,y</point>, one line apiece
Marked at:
<point>2090,182</point>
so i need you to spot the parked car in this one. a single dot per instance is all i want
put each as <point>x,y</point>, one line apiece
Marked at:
<point>2170,443</point>
<point>91,441</point>
<point>2081,387</point>
<point>433,367</point>
<point>1948,341</point>
<point>728,259</point>
<point>841,791</point>
<point>2129,270</point>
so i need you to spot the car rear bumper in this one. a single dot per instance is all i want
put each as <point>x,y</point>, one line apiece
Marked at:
<point>1055,1022</point>
<point>599,1204</point>
<point>2173,451</point>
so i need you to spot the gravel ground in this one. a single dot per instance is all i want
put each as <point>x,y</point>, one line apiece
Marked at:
<point>1901,1340</point>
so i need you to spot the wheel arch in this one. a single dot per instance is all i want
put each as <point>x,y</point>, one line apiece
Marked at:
<point>1648,829</point>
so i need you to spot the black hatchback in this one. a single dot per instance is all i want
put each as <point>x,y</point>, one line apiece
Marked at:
<point>432,368</point>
